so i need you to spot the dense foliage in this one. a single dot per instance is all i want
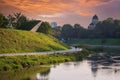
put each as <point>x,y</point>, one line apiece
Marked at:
<point>3,21</point>
<point>45,28</point>
<point>21,22</point>
<point>28,25</point>
<point>56,32</point>
<point>108,28</point>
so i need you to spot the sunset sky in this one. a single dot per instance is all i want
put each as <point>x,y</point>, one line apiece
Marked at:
<point>63,11</point>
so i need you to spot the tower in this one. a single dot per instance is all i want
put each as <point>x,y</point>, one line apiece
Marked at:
<point>95,20</point>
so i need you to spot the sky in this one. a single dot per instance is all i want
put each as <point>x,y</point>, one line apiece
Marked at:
<point>63,11</point>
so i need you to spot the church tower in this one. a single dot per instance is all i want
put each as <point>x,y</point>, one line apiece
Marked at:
<point>95,20</point>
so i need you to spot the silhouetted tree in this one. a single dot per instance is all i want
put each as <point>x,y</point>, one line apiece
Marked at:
<point>56,32</point>
<point>3,21</point>
<point>67,31</point>
<point>45,28</point>
<point>19,19</point>
<point>28,25</point>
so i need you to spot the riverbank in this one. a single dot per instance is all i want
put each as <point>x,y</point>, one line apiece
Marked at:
<point>111,50</point>
<point>20,62</point>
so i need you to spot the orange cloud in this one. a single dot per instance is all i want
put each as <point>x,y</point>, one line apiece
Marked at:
<point>85,13</point>
<point>48,7</point>
<point>91,3</point>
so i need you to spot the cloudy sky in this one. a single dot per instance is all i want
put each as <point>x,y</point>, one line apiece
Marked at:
<point>63,11</point>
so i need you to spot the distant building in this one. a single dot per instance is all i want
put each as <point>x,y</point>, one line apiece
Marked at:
<point>53,24</point>
<point>95,20</point>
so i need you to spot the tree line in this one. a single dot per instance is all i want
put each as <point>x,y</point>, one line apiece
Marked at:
<point>109,28</point>
<point>21,22</point>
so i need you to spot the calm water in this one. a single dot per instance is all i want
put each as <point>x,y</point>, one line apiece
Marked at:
<point>84,70</point>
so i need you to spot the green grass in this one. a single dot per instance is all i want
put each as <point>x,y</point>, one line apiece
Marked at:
<point>94,41</point>
<point>20,62</point>
<point>14,41</point>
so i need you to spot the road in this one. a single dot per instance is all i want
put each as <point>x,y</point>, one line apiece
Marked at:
<point>39,53</point>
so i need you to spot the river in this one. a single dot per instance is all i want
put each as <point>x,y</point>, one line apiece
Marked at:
<point>84,70</point>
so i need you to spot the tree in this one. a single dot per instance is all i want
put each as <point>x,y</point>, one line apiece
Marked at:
<point>67,31</point>
<point>79,31</point>
<point>45,28</point>
<point>3,21</point>
<point>76,30</point>
<point>22,19</point>
<point>117,28</point>
<point>19,19</point>
<point>106,28</point>
<point>28,25</point>
<point>10,19</point>
<point>56,31</point>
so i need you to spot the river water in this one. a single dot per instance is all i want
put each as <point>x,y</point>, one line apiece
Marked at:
<point>84,70</point>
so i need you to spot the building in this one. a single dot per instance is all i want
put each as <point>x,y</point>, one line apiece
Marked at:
<point>54,24</point>
<point>94,22</point>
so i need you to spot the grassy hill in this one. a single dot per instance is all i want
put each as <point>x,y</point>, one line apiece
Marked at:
<point>14,41</point>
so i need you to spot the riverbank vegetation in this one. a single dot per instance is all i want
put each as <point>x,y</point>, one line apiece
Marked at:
<point>110,50</point>
<point>94,41</point>
<point>20,62</point>
<point>14,41</point>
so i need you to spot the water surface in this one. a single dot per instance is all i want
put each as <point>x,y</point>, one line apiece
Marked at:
<point>85,70</point>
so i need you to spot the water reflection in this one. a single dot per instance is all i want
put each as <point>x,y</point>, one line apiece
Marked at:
<point>94,68</point>
<point>43,75</point>
<point>85,70</point>
<point>25,74</point>
<point>107,71</point>
<point>76,64</point>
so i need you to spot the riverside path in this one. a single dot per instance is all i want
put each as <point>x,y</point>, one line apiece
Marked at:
<point>40,53</point>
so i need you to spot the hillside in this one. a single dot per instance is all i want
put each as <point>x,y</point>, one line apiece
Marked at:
<point>14,41</point>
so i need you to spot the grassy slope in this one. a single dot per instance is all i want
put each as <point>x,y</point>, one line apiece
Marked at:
<point>14,41</point>
<point>95,41</point>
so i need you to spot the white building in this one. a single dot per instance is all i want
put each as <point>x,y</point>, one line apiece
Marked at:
<point>95,20</point>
